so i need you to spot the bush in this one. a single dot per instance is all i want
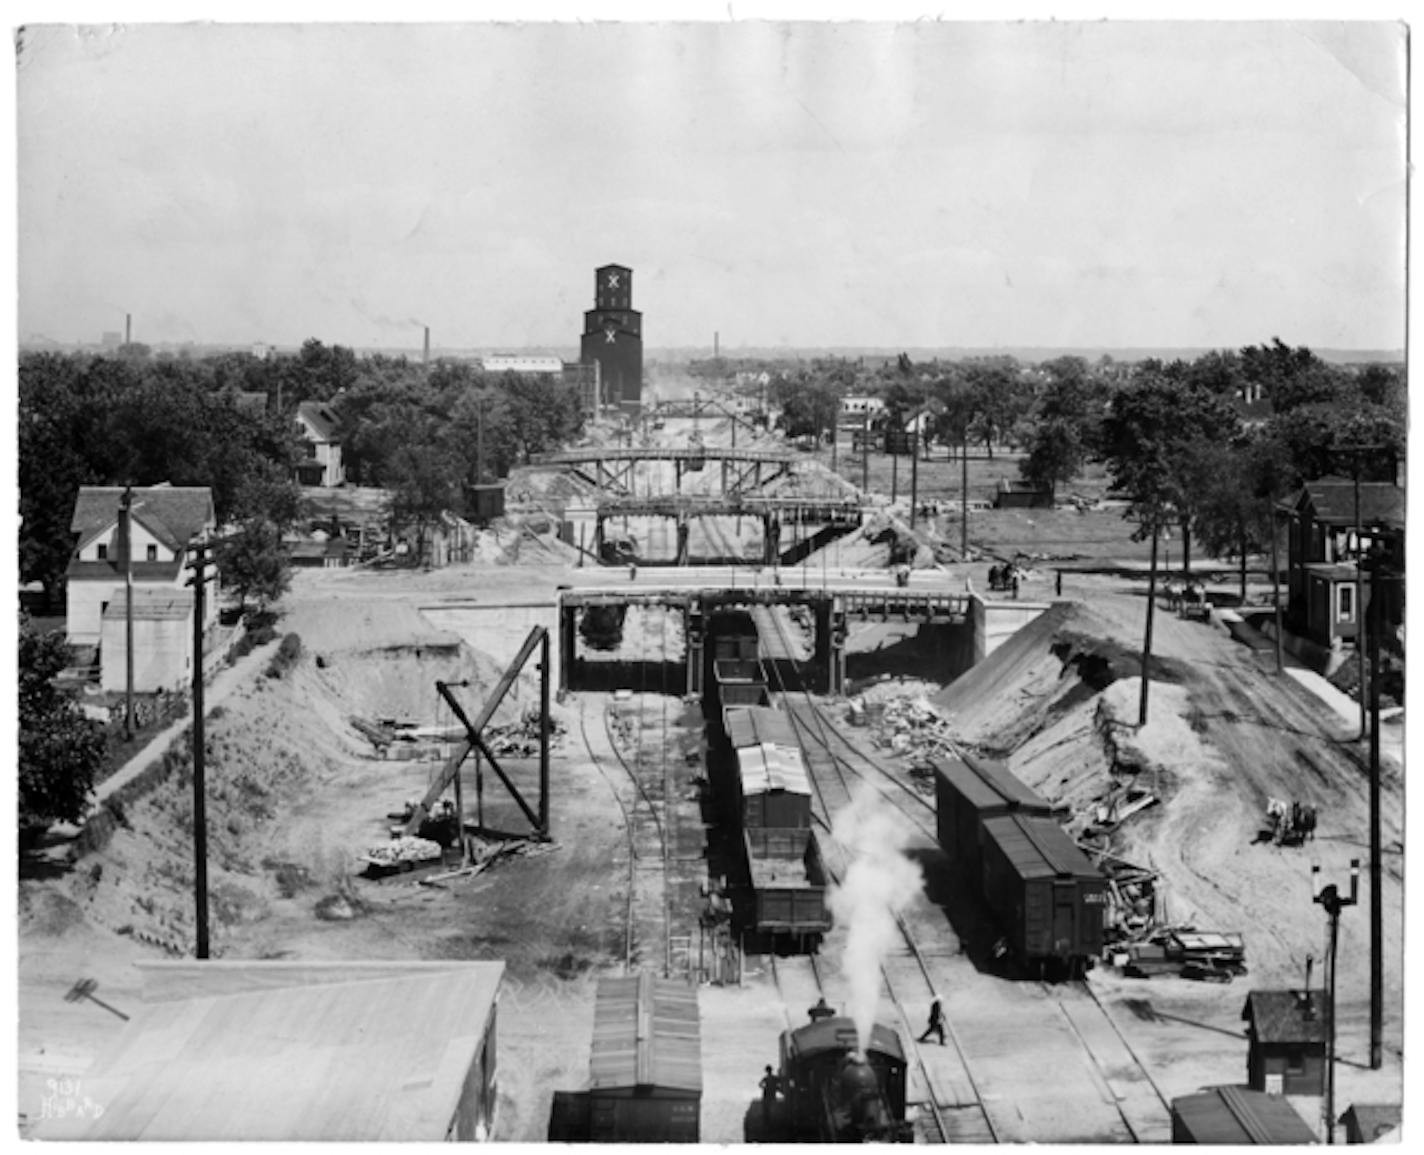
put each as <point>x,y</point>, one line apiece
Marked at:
<point>287,655</point>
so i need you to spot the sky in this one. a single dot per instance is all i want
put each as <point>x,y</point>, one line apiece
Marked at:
<point>807,184</point>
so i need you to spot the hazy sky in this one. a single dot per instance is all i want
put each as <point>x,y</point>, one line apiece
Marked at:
<point>893,185</point>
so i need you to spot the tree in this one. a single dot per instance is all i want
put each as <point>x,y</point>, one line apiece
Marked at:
<point>425,483</point>
<point>1152,441</point>
<point>61,751</point>
<point>809,405</point>
<point>1063,428</point>
<point>1234,514</point>
<point>254,564</point>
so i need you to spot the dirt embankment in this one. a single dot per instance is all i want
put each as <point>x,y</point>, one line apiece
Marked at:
<point>269,749</point>
<point>1060,700</point>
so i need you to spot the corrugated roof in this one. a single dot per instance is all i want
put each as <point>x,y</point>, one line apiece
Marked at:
<point>1237,1115</point>
<point>766,768</point>
<point>1037,847</point>
<point>1280,1016</point>
<point>753,725</point>
<point>986,784</point>
<point>152,605</point>
<point>1333,501</point>
<point>646,1033</point>
<point>281,1051</point>
<point>174,514</point>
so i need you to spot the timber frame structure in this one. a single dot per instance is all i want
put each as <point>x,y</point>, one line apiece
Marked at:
<point>610,470</point>
<point>475,743</point>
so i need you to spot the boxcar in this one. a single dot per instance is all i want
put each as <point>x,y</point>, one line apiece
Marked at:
<point>837,1091</point>
<point>1046,896</point>
<point>968,792</point>
<point>753,725</point>
<point>773,789</point>
<point>645,1072</point>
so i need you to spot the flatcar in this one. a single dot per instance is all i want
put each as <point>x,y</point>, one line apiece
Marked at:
<point>837,1092</point>
<point>1046,898</point>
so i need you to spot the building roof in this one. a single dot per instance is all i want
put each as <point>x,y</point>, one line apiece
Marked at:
<point>646,1033</point>
<point>1238,1115</point>
<point>1371,1121</point>
<point>766,768</point>
<point>1332,500</point>
<point>152,604</point>
<point>1280,1016</point>
<point>174,514</point>
<point>320,418</point>
<point>347,1051</point>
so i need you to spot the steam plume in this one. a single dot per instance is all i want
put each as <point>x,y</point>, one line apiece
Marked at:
<point>879,883</point>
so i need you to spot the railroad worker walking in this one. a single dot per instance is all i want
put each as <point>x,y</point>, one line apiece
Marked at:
<point>770,1088</point>
<point>936,1026</point>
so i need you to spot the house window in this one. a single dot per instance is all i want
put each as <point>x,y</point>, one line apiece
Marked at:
<point>103,553</point>
<point>1344,603</point>
<point>152,553</point>
<point>1295,1061</point>
<point>311,448</point>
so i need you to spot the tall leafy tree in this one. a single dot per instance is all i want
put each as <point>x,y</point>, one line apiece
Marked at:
<point>254,563</point>
<point>60,751</point>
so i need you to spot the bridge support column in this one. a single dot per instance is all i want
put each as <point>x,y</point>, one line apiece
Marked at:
<point>771,538</point>
<point>682,539</point>
<point>829,655</point>
<point>568,634</point>
<point>598,537</point>
<point>694,629</point>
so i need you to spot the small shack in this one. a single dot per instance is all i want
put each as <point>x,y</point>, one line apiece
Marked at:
<point>1285,1033</point>
<point>162,640</point>
<point>1372,1122</point>
<point>645,1072</point>
<point>1237,1116</point>
<point>300,1051</point>
<point>1021,495</point>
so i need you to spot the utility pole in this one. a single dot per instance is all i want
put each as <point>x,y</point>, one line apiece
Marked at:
<point>1330,898</point>
<point>914,471</point>
<point>964,496</point>
<point>1374,622</point>
<point>1276,585</point>
<point>1147,640</point>
<point>199,569</point>
<point>865,453</point>
<point>126,544</point>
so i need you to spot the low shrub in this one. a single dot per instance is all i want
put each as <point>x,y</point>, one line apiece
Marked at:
<point>287,656</point>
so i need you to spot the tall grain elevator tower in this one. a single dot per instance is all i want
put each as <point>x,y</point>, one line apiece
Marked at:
<point>613,337</point>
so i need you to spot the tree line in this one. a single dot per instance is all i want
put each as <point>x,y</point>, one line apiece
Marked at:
<point>227,421</point>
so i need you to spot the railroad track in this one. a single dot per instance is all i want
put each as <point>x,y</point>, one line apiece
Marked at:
<point>907,976</point>
<point>1139,1108</point>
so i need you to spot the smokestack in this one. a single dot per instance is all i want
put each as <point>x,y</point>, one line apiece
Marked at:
<point>425,357</point>
<point>128,328</point>
<point>716,345</point>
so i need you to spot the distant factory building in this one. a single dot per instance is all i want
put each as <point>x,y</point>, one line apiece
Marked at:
<point>613,337</point>
<point>521,363</point>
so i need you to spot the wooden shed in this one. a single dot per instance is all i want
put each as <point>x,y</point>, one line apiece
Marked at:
<point>645,1072</point>
<point>162,640</point>
<point>1237,1116</point>
<point>1285,1032</point>
<point>299,1051</point>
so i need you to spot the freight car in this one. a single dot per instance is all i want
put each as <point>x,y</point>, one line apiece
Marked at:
<point>769,792</point>
<point>1045,896</point>
<point>731,638</point>
<point>837,1092</point>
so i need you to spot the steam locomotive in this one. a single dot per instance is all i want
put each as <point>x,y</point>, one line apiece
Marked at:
<point>835,1092</point>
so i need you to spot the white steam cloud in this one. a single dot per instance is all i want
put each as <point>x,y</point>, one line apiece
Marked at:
<point>879,883</point>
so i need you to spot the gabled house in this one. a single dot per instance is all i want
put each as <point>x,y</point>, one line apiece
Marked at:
<point>165,519</point>
<point>1324,553</point>
<point>318,426</point>
<point>1285,1033</point>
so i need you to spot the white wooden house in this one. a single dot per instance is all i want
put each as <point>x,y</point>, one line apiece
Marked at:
<point>165,519</point>
<point>318,426</point>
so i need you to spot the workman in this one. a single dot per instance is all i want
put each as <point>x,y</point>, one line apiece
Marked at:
<point>936,1026</point>
<point>770,1088</point>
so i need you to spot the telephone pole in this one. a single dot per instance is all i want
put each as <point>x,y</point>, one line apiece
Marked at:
<point>198,567</point>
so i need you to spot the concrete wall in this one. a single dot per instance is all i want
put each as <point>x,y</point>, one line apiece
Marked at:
<point>995,622</point>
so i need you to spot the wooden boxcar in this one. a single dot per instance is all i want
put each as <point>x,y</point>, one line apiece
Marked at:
<point>645,1072</point>
<point>827,1096</point>
<point>773,789</point>
<point>753,725</point>
<point>1046,896</point>
<point>789,893</point>
<point>968,792</point>
<point>1237,1116</point>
